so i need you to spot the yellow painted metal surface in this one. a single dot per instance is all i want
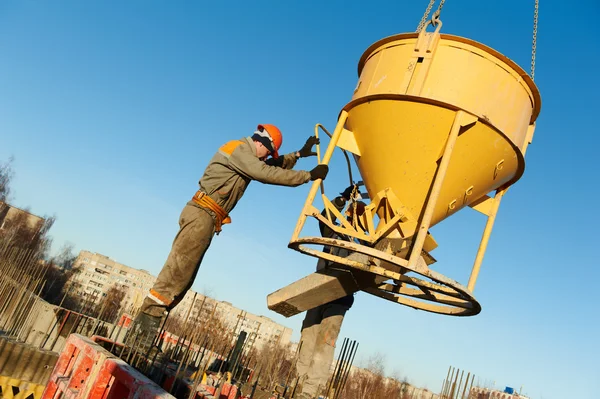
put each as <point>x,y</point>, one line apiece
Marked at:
<point>14,388</point>
<point>403,108</point>
<point>436,123</point>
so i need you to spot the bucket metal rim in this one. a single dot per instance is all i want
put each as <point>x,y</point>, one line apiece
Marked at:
<point>444,36</point>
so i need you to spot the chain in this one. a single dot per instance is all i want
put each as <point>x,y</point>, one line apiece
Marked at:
<point>354,203</point>
<point>436,14</point>
<point>534,42</point>
<point>425,16</point>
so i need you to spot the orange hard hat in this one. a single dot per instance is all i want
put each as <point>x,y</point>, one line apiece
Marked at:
<point>276,137</point>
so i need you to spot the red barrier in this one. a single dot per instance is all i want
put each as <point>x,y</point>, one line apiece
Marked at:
<point>125,320</point>
<point>228,391</point>
<point>119,380</point>
<point>205,392</point>
<point>85,370</point>
<point>78,362</point>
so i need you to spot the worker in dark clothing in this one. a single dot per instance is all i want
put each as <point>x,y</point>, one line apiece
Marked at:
<point>321,325</point>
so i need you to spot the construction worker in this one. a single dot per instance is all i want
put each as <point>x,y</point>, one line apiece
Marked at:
<point>321,325</point>
<point>225,179</point>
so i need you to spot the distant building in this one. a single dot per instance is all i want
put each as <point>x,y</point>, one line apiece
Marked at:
<point>490,393</point>
<point>11,215</point>
<point>260,330</point>
<point>98,273</point>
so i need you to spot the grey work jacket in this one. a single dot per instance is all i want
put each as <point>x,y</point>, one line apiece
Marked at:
<point>236,164</point>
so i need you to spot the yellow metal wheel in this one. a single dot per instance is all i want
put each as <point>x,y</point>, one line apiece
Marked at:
<point>390,277</point>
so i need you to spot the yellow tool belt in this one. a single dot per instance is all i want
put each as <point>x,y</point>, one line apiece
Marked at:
<point>205,201</point>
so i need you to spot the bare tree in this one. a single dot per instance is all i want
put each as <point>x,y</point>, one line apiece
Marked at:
<point>274,362</point>
<point>113,301</point>
<point>65,259</point>
<point>28,234</point>
<point>371,382</point>
<point>25,232</point>
<point>6,175</point>
<point>59,288</point>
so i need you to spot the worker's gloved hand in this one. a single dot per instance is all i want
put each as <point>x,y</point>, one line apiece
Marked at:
<point>339,202</point>
<point>319,172</point>
<point>275,162</point>
<point>347,193</point>
<point>306,150</point>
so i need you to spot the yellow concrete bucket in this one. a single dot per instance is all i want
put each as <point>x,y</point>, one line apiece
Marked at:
<point>436,123</point>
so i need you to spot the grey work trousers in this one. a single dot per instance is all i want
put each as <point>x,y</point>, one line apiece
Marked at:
<point>196,230</point>
<point>320,330</point>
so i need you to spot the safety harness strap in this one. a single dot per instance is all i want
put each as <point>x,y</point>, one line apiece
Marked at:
<point>205,201</point>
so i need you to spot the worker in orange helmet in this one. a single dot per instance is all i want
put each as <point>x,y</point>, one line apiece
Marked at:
<point>225,179</point>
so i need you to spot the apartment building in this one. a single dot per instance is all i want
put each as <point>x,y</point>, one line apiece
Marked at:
<point>98,273</point>
<point>10,215</point>
<point>260,329</point>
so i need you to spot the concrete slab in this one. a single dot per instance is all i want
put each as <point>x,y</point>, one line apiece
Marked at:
<point>25,362</point>
<point>311,291</point>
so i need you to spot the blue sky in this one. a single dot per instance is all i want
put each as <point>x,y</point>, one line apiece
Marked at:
<point>112,110</point>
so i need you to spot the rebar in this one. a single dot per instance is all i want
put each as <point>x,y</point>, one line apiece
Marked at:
<point>198,378</point>
<point>353,350</point>
<point>335,374</point>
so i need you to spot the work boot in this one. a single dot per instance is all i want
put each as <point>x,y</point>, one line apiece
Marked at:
<point>143,332</point>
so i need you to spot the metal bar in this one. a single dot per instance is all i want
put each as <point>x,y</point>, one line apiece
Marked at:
<point>316,184</point>
<point>21,310</point>
<point>136,337</point>
<point>9,272</point>
<point>337,363</point>
<point>293,364</point>
<point>49,331</point>
<point>446,380</point>
<point>100,314</point>
<point>62,326</point>
<point>5,284</point>
<point>195,336</point>
<point>240,355</point>
<point>337,370</point>
<point>461,119</point>
<point>256,384</point>
<point>181,362</point>
<point>27,308</point>
<point>471,387</point>
<point>462,373</point>
<point>348,368</point>
<point>485,238</point>
<point>29,320</point>
<point>199,376</point>
<point>13,292</point>
<point>343,368</point>
<point>454,385</point>
<point>449,381</point>
<point>20,293</point>
<point>466,383</point>
<point>117,337</point>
